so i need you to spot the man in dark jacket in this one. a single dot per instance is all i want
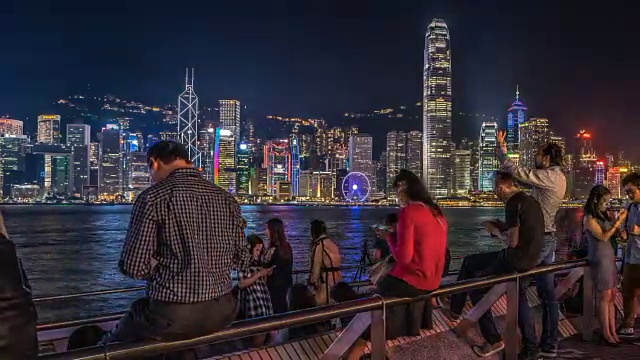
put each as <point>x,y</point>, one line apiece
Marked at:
<point>18,338</point>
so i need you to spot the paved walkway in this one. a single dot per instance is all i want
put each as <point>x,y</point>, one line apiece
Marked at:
<point>447,346</point>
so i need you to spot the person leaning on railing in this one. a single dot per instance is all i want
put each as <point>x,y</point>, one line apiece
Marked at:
<point>18,340</point>
<point>548,186</point>
<point>419,250</point>
<point>598,232</point>
<point>631,270</point>
<point>185,236</point>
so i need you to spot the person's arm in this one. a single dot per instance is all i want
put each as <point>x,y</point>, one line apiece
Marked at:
<point>242,256</point>
<point>595,229</point>
<point>246,279</point>
<point>402,246</point>
<point>316,264</point>
<point>512,223</point>
<point>541,178</point>
<point>140,244</point>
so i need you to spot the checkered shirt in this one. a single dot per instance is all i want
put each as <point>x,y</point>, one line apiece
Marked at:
<point>193,230</point>
<point>254,300</point>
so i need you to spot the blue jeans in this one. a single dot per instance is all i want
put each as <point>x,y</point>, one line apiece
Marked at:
<point>494,263</point>
<point>550,306</point>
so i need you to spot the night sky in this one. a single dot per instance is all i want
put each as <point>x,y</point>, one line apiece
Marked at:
<point>576,64</point>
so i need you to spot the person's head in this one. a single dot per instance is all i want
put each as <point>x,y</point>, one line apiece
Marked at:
<point>548,155</point>
<point>277,237</point>
<point>410,188</point>
<point>504,185</point>
<point>85,336</point>
<point>597,202</point>
<point>342,292</point>
<point>631,184</point>
<point>317,229</point>
<point>391,221</point>
<point>256,245</point>
<point>301,298</point>
<point>164,157</point>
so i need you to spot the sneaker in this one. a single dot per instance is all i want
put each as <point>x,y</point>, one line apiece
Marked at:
<point>528,354</point>
<point>548,353</point>
<point>625,332</point>
<point>451,315</point>
<point>487,349</point>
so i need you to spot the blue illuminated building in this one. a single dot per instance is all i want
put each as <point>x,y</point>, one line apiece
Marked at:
<point>517,114</point>
<point>295,166</point>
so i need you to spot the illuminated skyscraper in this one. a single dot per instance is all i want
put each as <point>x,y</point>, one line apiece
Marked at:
<point>533,134</point>
<point>396,157</point>
<point>361,157</point>
<point>586,155</point>
<point>111,180</point>
<point>277,160</point>
<point>599,173</point>
<point>414,152</point>
<point>613,182</point>
<point>488,161</point>
<point>226,160</point>
<point>585,166</point>
<point>79,137</point>
<point>11,127</point>
<point>188,119</point>
<point>230,117</point>
<point>462,172</point>
<point>436,102</point>
<point>49,129</point>
<point>243,175</point>
<point>516,115</point>
<point>295,164</point>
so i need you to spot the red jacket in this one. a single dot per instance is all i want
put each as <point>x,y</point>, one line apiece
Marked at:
<point>419,247</point>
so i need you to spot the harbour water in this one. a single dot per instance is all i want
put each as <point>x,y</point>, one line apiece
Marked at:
<point>75,248</point>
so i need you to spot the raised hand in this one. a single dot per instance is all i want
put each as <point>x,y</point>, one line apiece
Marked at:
<point>500,138</point>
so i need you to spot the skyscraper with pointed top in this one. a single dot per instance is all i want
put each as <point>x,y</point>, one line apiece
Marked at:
<point>436,106</point>
<point>516,115</point>
<point>188,120</point>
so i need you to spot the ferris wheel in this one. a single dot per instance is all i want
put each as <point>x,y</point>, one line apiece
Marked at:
<point>355,187</point>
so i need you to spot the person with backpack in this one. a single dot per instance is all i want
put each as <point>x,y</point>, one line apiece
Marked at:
<point>18,317</point>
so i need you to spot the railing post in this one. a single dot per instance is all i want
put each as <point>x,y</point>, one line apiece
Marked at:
<point>511,340</point>
<point>378,336</point>
<point>588,305</point>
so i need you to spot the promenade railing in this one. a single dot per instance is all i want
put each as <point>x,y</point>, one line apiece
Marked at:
<point>375,305</point>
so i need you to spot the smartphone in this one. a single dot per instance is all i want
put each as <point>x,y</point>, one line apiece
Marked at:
<point>380,227</point>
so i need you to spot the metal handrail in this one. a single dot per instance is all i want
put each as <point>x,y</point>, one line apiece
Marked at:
<point>252,327</point>
<point>116,316</point>
<point>140,288</point>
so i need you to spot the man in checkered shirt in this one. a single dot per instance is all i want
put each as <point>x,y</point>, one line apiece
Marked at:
<point>185,236</point>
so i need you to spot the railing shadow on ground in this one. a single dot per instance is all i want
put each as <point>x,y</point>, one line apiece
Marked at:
<point>373,305</point>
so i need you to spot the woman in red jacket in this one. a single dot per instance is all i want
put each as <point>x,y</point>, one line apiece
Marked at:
<point>418,247</point>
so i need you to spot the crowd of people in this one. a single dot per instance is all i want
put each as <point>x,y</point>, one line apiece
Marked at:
<point>186,236</point>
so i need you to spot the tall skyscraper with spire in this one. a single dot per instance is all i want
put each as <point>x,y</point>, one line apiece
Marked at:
<point>516,115</point>
<point>436,107</point>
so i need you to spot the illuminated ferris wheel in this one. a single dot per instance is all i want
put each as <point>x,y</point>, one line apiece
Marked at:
<point>355,187</point>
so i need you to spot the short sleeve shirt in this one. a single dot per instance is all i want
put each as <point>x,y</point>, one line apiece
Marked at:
<point>525,212</point>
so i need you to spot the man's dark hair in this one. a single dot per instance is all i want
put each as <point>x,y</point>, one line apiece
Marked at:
<point>391,219</point>
<point>633,179</point>
<point>503,177</point>
<point>167,151</point>
<point>554,152</point>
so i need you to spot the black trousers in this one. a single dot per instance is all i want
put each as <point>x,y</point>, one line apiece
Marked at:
<point>150,319</point>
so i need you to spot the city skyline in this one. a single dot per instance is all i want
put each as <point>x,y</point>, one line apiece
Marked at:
<point>343,70</point>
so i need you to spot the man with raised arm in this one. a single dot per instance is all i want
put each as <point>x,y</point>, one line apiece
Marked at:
<point>548,184</point>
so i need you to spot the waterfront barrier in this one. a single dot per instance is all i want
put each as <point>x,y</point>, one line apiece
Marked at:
<point>374,306</point>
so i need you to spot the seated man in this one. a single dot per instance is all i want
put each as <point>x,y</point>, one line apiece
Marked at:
<point>523,233</point>
<point>184,237</point>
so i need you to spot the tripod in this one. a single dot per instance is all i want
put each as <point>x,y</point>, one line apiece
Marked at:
<point>365,260</point>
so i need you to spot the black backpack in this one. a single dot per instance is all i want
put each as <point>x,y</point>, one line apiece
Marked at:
<point>18,317</point>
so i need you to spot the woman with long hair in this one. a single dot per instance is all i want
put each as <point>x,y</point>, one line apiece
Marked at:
<point>325,263</point>
<point>280,257</point>
<point>598,230</point>
<point>253,295</point>
<point>418,248</point>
